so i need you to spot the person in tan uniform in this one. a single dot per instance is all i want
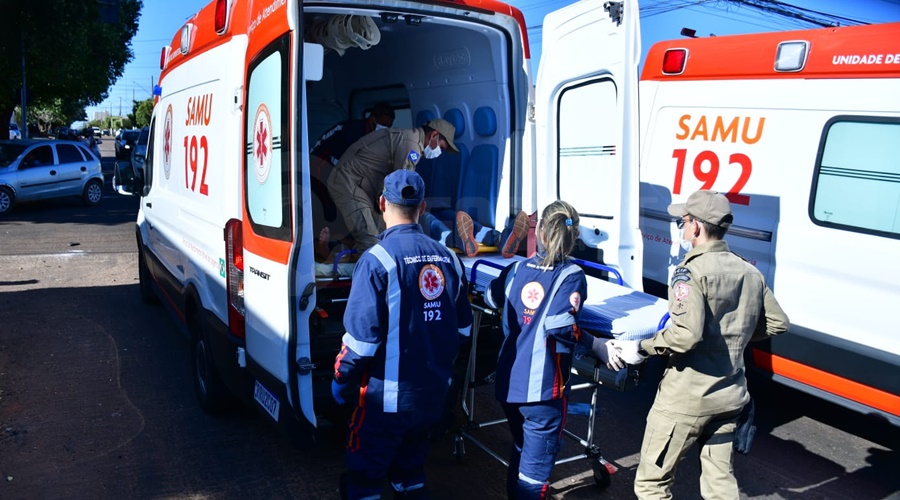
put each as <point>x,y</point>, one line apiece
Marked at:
<point>358,178</point>
<point>718,303</point>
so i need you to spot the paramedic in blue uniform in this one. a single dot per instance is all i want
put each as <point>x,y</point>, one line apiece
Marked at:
<point>718,303</point>
<point>408,314</point>
<point>326,152</point>
<point>541,299</point>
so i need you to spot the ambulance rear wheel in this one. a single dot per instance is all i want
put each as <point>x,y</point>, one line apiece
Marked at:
<point>601,476</point>
<point>212,395</point>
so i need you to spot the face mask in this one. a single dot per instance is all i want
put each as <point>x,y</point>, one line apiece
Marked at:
<point>432,153</point>
<point>379,126</point>
<point>686,243</point>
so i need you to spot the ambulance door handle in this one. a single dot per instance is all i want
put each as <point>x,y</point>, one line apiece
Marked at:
<point>307,293</point>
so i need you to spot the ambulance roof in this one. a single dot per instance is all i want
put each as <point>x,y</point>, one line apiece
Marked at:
<point>871,51</point>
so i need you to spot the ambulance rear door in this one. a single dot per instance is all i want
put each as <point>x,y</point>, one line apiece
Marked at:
<point>277,316</point>
<point>586,115</point>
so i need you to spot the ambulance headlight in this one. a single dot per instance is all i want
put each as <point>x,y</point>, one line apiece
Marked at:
<point>791,56</point>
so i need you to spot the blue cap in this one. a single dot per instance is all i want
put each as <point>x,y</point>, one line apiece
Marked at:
<point>404,187</point>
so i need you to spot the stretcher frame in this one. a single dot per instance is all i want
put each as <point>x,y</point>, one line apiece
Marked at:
<point>601,468</point>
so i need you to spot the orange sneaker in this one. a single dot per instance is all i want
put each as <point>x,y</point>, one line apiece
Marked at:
<point>514,234</point>
<point>465,229</point>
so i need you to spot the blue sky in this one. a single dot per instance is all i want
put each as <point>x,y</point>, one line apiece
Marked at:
<point>660,20</point>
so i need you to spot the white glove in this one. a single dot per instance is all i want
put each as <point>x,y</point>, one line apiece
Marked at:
<point>627,351</point>
<point>605,352</point>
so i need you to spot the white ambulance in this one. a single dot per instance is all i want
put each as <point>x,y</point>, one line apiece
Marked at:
<point>801,129</point>
<point>225,228</point>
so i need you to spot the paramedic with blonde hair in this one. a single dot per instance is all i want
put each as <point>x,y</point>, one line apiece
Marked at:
<point>718,303</point>
<point>541,300</point>
<point>409,314</point>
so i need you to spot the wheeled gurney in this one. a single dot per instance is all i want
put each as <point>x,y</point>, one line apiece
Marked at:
<point>611,310</point>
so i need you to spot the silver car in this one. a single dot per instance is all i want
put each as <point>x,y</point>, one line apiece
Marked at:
<point>38,170</point>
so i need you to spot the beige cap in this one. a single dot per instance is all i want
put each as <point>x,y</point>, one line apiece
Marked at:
<point>709,206</point>
<point>446,129</point>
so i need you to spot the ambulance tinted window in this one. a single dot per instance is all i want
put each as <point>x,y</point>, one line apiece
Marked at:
<point>587,135</point>
<point>856,185</point>
<point>266,174</point>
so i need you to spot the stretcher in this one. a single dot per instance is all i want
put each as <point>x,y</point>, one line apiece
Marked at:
<point>610,310</point>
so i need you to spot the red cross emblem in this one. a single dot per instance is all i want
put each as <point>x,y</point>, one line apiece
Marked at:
<point>262,143</point>
<point>431,282</point>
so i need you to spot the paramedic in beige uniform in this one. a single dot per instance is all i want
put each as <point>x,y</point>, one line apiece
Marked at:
<point>718,303</point>
<point>358,178</point>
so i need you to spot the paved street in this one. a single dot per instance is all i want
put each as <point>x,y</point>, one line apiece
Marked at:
<point>96,400</point>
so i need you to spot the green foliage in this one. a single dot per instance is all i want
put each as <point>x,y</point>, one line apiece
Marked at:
<point>74,51</point>
<point>143,110</point>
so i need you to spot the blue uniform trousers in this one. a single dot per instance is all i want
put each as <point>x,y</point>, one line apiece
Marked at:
<point>389,445</point>
<point>537,430</point>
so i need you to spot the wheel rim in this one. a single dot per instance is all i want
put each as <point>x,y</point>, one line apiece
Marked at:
<point>4,201</point>
<point>95,192</point>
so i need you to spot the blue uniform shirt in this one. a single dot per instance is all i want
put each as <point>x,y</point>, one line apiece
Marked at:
<point>407,315</point>
<point>540,313</point>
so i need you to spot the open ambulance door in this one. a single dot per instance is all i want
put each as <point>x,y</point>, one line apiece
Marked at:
<point>586,114</point>
<point>276,314</point>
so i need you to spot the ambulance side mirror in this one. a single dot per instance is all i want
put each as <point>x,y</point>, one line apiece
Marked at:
<point>313,61</point>
<point>126,179</point>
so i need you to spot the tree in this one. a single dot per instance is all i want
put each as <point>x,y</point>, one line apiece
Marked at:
<point>74,51</point>
<point>143,110</point>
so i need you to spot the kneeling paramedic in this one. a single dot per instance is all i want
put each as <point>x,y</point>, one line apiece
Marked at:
<point>410,313</point>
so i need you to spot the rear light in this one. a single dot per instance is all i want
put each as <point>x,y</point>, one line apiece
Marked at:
<point>164,57</point>
<point>234,276</point>
<point>222,11</point>
<point>674,61</point>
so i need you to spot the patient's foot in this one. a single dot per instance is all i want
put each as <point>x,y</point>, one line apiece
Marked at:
<point>465,229</point>
<point>514,234</point>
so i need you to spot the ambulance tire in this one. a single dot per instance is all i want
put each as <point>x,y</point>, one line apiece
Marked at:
<point>145,281</point>
<point>212,394</point>
<point>601,475</point>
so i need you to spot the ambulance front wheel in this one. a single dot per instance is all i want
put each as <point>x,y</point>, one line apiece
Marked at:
<point>459,448</point>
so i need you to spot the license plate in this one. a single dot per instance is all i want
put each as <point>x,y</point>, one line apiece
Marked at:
<point>267,400</point>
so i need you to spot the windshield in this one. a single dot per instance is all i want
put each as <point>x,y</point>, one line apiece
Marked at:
<point>9,152</point>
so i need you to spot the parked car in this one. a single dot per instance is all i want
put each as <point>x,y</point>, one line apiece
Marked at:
<point>63,133</point>
<point>35,170</point>
<point>125,142</point>
<point>14,132</point>
<point>139,151</point>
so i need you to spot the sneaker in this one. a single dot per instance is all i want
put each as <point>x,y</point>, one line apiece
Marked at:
<point>514,234</point>
<point>465,229</point>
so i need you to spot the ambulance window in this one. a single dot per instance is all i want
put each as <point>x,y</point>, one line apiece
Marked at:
<point>587,140</point>
<point>267,163</point>
<point>856,186</point>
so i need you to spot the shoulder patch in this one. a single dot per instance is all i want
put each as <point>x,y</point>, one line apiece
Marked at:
<point>575,300</point>
<point>532,294</point>
<point>413,156</point>
<point>681,274</point>
<point>681,291</point>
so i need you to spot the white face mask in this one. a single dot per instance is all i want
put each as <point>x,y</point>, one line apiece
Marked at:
<point>686,244</point>
<point>432,153</point>
<point>379,126</point>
